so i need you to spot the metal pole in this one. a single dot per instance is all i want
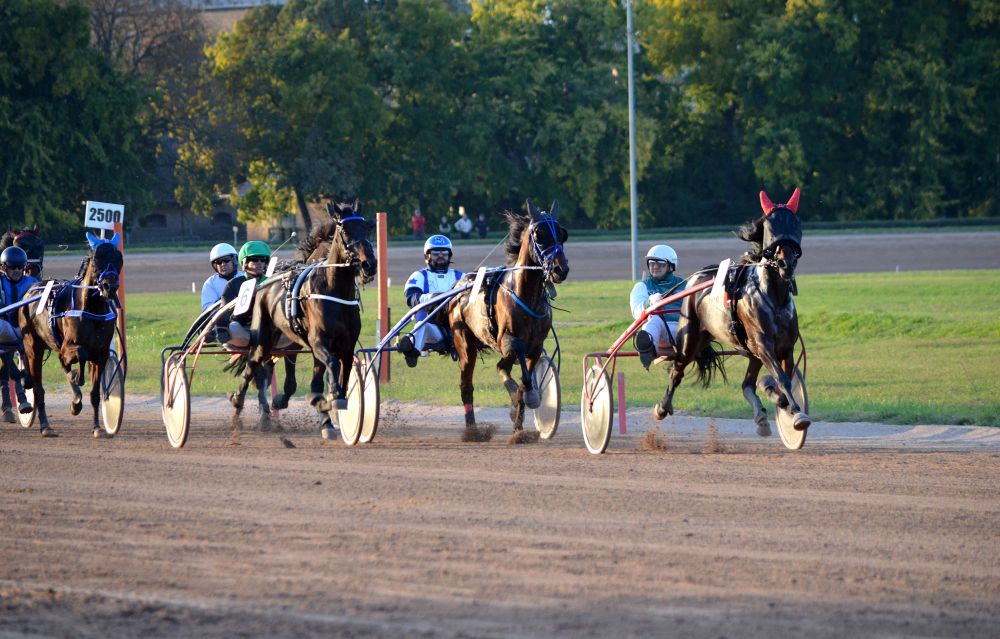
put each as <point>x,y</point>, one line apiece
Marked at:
<point>633,194</point>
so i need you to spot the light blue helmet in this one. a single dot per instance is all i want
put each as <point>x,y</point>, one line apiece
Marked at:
<point>437,242</point>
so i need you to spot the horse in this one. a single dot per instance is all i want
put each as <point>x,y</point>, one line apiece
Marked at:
<point>78,324</point>
<point>31,242</point>
<point>759,316</point>
<point>318,311</point>
<point>512,315</point>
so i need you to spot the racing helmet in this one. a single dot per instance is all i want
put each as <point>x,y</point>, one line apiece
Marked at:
<point>254,248</point>
<point>13,256</point>
<point>221,250</point>
<point>437,242</point>
<point>664,253</point>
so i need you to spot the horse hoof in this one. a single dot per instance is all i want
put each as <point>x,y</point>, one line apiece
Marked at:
<point>75,408</point>
<point>801,422</point>
<point>100,433</point>
<point>532,399</point>
<point>763,426</point>
<point>280,402</point>
<point>234,399</point>
<point>329,432</point>
<point>48,431</point>
<point>8,415</point>
<point>659,413</point>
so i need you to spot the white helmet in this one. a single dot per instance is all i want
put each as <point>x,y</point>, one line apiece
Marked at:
<point>222,250</point>
<point>662,252</point>
<point>437,242</point>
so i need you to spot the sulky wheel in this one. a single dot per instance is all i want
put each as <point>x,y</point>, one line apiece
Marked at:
<point>597,413</point>
<point>546,380</point>
<point>112,394</point>
<point>371,400</point>
<point>176,402</point>
<point>791,438</point>
<point>25,419</point>
<point>351,419</point>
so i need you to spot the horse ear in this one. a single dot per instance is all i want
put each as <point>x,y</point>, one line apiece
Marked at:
<point>554,209</point>
<point>114,240</point>
<point>92,240</point>
<point>357,203</point>
<point>766,203</point>
<point>793,202</point>
<point>532,211</point>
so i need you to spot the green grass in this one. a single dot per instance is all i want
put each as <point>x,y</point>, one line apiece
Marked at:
<point>900,348</point>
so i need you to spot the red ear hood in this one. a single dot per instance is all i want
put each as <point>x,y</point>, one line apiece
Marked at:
<point>793,202</point>
<point>765,203</point>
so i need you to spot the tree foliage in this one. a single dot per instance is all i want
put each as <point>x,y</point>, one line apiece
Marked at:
<point>70,124</point>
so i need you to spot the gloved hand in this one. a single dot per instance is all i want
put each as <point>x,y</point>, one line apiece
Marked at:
<point>653,299</point>
<point>426,296</point>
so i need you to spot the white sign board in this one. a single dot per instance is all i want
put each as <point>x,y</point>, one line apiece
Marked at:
<point>102,215</point>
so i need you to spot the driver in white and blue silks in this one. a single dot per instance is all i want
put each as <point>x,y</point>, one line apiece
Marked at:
<point>421,286</point>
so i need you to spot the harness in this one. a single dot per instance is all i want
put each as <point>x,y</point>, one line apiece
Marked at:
<point>292,295</point>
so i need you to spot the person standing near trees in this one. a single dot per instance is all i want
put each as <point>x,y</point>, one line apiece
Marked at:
<point>444,227</point>
<point>419,224</point>
<point>482,226</point>
<point>463,225</point>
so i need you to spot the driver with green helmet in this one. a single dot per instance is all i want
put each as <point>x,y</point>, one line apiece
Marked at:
<point>254,257</point>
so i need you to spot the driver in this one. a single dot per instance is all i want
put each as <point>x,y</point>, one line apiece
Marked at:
<point>223,258</point>
<point>254,257</point>
<point>421,286</point>
<point>13,285</point>
<point>657,336</point>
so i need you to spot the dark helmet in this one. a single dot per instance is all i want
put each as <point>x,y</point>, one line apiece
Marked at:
<point>13,256</point>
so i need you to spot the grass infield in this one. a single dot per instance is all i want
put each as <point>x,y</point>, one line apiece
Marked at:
<point>889,347</point>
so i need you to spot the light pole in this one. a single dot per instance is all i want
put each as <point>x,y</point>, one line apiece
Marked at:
<point>633,195</point>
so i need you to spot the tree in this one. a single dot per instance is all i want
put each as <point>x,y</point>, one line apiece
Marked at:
<point>70,125</point>
<point>300,100</point>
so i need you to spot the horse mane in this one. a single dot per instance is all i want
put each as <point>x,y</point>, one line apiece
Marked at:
<point>516,224</point>
<point>753,232</point>
<point>7,239</point>
<point>322,233</point>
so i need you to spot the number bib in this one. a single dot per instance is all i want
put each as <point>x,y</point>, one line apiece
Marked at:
<point>245,298</point>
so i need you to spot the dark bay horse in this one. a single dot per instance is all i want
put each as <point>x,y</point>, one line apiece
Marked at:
<point>79,325</point>
<point>318,311</point>
<point>511,315</point>
<point>765,323</point>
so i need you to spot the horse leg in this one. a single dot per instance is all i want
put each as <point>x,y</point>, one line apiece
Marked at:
<point>466,348</point>
<point>262,380</point>
<point>689,341</point>
<point>237,397</point>
<point>96,373</point>
<point>75,378</point>
<point>34,352</point>
<point>782,381</point>
<point>749,385</point>
<point>511,349</point>
<point>281,401</point>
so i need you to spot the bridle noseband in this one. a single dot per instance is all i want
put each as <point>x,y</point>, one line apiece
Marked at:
<point>545,256</point>
<point>352,245</point>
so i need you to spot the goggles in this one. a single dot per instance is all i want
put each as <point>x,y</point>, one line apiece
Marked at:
<point>222,260</point>
<point>444,252</point>
<point>258,259</point>
<point>14,267</point>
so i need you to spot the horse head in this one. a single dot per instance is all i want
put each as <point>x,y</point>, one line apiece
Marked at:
<point>781,240</point>
<point>106,263</point>
<point>545,237</point>
<point>352,238</point>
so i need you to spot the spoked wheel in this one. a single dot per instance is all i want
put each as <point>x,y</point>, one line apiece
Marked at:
<point>597,413</point>
<point>546,380</point>
<point>369,425</point>
<point>351,419</point>
<point>793,439</point>
<point>176,402</point>
<point>112,394</point>
<point>27,420</point>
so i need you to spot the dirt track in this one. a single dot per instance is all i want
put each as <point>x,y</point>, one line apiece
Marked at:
<point>867,531</point>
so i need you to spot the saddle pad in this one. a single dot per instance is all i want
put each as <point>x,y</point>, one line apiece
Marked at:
<point>719,286</point>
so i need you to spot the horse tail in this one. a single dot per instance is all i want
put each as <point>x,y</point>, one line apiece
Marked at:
<point>236,367</point>
<point>709,363</point>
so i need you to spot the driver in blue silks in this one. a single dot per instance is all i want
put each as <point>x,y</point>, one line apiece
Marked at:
<point>653,339</point>
<point>421,286</point>
<point>13,285</point>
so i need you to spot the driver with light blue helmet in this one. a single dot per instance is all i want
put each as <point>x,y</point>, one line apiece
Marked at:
<point>421,286</point>
<point>223,260</point>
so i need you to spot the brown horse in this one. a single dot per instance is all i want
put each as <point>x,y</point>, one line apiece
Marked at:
<point>511,314</point>
<point>765,323</point>
<point>80,328</point>
<point>318,310</point>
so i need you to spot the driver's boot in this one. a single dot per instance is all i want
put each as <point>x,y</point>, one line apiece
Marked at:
<point>647,349</point>
<point>407,347</point>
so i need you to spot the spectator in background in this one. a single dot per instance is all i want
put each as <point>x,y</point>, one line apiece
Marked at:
<point>482,226</point>
<point>463,225</point>
<point>444,228</point>
<point>419,223</point>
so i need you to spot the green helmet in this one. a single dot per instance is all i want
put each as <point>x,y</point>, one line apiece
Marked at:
<point>254,248</point>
